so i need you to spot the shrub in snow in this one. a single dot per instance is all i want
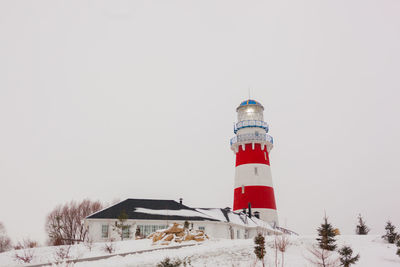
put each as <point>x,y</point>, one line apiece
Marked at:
<point>326,237</point>
<point>5,241</point>
<point>391,234</point>
<point>398,247</point>
<point>109,247</point>
<point>167,262</point>
<point>62,253</point>
<point>362,228</point>
<point>138,235</point>
<point>24,252</point>
<point>346,256</point>
<point>259,249</point>
<point>186,225</point>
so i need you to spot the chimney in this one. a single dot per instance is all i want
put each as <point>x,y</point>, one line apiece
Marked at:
<point>180,200</point>
<point>257,214</point>
<point>249,210</point>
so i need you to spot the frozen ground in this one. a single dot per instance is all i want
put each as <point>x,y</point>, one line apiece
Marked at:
<point>373,252</point>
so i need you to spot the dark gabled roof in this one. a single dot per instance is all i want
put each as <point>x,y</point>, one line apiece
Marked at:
<point>130,205</point>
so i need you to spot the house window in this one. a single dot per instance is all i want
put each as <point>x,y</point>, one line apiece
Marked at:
<point>255,170</point>
<point>202,228</point>
<point>125,232</point>
<point>104,231</point>
<point>145,230</point>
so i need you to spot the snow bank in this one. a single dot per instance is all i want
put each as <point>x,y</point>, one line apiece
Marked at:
<point>373,252</point>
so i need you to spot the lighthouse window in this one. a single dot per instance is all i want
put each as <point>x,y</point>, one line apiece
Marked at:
<point>255,170</point>
<point>242,189</point>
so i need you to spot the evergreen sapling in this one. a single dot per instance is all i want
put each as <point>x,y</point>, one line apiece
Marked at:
<point>362,228</point>
<point>326,237</point>
<point>259,249</point>
<point>391,234</point>
<point>346,256</point>
<point>120,226</point>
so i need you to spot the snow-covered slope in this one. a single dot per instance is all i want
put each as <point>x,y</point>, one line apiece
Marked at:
<point>373,253</point>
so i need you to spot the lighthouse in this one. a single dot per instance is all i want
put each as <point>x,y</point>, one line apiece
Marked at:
<point>253,180</point>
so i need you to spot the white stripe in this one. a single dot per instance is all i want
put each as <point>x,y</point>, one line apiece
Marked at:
<point>253,174</point>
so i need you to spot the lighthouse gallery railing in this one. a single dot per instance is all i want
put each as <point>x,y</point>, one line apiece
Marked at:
<point>250,123</point>
<point>252,137</point>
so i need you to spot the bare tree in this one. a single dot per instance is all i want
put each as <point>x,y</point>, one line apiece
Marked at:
<point>5,241</point>
<point>281,242</point>
<point>65,224</point>
<point>322,257</point>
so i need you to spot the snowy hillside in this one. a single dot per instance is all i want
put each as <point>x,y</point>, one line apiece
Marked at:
<point>373,253</point>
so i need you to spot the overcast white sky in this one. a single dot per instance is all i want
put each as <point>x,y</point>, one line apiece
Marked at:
<point>136,99</point>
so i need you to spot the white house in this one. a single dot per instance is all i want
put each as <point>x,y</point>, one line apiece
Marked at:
<point>150,215</point>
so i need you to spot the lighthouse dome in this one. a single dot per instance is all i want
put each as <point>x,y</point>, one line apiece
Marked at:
<point>250,110</point>
<point>249,102</point>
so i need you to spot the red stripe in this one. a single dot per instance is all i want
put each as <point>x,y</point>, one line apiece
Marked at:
<point>250,155</point>
<point>261,197</point>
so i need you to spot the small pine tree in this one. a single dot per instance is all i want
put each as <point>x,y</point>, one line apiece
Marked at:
<point>362,228</point>
<point>259,249</point>
<point>346,256</point>
<point>398,247</point>
<point>391,234</point>
<point>327,234</point>
<point>120,225</point>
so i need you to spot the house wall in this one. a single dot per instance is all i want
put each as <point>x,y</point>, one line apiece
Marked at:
<point>212,229</point>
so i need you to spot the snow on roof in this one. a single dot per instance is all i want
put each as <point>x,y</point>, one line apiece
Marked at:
<point>213,213</point>
<point>182,212</point>
<point>263,224</point>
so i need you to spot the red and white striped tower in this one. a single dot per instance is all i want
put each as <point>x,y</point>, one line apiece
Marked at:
<point>253,179</point>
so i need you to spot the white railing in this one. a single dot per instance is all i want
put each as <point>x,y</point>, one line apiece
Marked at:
<point>251,137</point>
<point>250,123</point>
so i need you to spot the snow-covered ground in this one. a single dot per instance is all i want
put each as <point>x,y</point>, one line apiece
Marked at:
<point>373,253</point>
